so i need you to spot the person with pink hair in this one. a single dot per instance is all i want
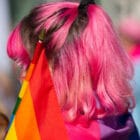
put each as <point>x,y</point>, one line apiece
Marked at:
<point>129,29</point>
<point>90,70</point>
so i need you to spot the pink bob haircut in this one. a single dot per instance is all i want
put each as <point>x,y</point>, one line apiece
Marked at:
<point>90,70</point>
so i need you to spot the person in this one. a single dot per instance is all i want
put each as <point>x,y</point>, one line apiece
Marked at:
<point>3,125</point>
<point>6,101</point>
<point>90,71</point>
<point>130,34</point>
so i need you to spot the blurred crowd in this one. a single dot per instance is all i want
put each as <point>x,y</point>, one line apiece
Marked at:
<point>126,17</point>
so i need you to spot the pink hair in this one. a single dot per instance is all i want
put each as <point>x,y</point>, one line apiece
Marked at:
<point>90,69</point>
<point>16,49</point>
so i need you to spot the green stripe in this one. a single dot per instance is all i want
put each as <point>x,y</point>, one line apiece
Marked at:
<point>17,105</point>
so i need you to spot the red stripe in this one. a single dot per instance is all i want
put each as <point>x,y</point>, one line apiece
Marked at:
<point>47,110</point>
<point>37,52</point>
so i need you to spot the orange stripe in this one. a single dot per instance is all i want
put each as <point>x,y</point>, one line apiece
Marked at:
<point>29,72</point>
<point>25,121</point>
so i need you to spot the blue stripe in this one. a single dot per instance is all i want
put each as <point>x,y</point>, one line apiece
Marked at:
<point>11,120</point>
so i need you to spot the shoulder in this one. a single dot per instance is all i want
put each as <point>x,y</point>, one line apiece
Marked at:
<point>121,127</point>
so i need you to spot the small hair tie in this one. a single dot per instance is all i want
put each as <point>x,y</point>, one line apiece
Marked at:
<point>85,3</point>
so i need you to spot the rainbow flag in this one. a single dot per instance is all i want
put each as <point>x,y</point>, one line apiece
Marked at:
<point>37,115</point>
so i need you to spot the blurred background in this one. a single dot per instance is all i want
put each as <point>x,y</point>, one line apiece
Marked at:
<point>126,18</point>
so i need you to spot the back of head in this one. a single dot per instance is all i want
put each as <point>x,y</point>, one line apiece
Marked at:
<point>89,68</point>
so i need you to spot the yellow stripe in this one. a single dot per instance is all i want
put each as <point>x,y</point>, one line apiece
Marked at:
<point>26,80</point>
<point>11,135</point>
<point>23,88</point>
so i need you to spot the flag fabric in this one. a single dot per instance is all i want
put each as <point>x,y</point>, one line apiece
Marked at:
<point>37,115</point>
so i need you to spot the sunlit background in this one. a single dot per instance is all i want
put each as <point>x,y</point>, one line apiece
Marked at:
<point>125,15</point>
